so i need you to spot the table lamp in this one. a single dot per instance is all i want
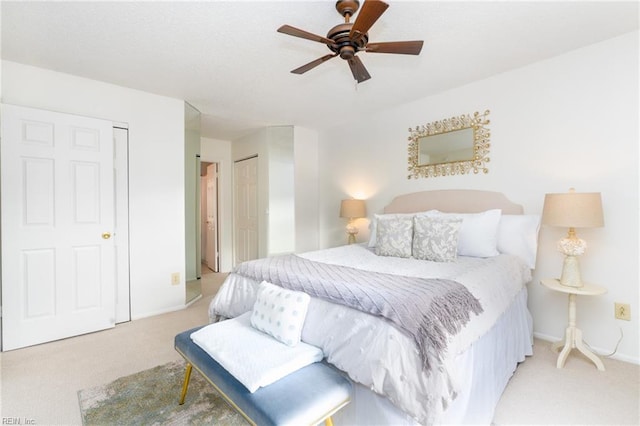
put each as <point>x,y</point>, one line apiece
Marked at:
<point>352,209</point>
<point>572,210</point>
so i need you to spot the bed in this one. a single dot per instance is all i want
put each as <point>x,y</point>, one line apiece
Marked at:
<point>463,381</point>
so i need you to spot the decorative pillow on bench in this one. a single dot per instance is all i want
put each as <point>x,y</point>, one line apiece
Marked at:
<point>280,312</point>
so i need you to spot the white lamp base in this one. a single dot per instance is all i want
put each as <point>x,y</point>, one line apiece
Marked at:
<point>352,231</point>
<point>571,272</point>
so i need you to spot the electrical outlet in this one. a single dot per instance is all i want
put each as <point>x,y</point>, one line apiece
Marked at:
<point>623,311</point>
<point>175,278</point>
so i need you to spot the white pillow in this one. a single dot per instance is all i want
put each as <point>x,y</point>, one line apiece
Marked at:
<point>394,236</point>
<point>280,312</point>
<point>478,233</point>
<point>435,238</point>
<point>518,235</point>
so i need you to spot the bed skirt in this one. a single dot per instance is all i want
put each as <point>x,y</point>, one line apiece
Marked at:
<point>485,369</point>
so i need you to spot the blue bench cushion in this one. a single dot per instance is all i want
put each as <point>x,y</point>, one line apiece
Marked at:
<point>306,396</point>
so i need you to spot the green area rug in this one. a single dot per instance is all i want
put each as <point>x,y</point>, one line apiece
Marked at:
<point>151,397</point>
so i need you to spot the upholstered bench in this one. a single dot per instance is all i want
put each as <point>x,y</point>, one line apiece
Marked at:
<point>308,396</point>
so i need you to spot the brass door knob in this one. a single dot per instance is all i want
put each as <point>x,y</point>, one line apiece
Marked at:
<point>106,235</point>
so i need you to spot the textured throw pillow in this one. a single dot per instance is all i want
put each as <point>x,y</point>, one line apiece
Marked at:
<point>518,235</point>
<point>436,238</point>
<point>373,225</point>
<point>478,233</point>
<point>280,312</point>
<point>394,236</point>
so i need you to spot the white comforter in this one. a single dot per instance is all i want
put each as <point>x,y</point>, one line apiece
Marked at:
<point>370,349</point>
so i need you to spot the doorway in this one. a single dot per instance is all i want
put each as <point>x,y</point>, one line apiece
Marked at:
<point>209,222</point>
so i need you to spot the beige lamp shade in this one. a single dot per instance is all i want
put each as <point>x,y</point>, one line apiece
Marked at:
<point>573,210</point>
<point>353,209</point>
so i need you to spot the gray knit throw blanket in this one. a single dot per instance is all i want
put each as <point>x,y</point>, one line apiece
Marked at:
<point>425,308</point>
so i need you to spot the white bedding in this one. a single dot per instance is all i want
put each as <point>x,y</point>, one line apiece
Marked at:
<point>375,353</point>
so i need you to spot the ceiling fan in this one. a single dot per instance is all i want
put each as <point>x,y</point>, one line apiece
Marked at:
<point>350,38</point>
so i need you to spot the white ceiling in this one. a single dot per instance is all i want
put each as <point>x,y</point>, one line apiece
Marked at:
<point>226,58</point>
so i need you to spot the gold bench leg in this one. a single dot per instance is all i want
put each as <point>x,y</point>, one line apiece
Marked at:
<point>328,422</point>
<point>185,385</point>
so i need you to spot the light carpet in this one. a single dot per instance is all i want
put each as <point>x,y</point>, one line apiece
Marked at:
<point>150,397</point>
<point>42,382</point>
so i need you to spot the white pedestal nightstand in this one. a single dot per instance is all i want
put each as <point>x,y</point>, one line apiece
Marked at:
<point>573,335</point>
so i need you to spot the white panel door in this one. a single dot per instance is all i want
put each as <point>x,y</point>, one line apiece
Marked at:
<point>212,217</point>
<point>57,217</point>
<point>246,210</point>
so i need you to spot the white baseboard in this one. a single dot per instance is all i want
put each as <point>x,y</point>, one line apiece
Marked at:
<point>194,300</point>
<point>160,312</point>
<point>599,351</point>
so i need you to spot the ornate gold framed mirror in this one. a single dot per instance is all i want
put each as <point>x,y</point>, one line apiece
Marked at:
<point>456,145</point>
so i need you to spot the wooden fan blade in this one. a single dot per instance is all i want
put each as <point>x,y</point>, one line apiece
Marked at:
<point>368,15</point>
<point>402,47</point>
<point>313,64</point>
<point>296,32</point>
<point>358,70</point>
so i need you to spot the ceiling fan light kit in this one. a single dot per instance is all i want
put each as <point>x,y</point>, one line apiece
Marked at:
<point>347,39</point>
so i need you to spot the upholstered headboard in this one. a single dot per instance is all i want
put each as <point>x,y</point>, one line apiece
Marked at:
<point>453,201</point>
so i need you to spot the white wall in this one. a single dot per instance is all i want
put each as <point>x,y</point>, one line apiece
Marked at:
<point>304,160</point>
<point>570,121</point>
<point>156,170</point>
<point>219,151</point>
<point>305,151</point>
<point>281,190</point>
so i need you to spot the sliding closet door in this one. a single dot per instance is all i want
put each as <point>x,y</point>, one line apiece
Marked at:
<point>58,263</point>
